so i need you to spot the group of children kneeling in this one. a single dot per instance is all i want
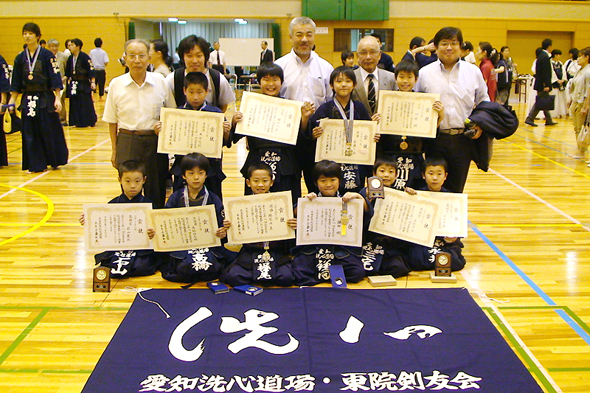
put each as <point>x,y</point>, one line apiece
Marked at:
<point>277,263</point>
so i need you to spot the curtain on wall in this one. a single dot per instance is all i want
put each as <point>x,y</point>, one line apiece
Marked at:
<point>212,31</point>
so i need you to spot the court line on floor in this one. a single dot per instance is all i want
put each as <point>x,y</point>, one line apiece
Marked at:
<point>538,198</point>
<point>531,361</point>
<point>48,172</point>
<point>48,213</point>
<point>547,147</point>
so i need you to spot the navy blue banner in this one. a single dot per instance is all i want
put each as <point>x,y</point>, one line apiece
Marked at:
<point>310,340</point>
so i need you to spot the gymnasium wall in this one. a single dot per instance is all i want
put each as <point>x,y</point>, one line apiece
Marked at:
<point>516,23</point>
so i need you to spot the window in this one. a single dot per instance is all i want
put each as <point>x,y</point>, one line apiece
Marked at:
<point>347,39</point>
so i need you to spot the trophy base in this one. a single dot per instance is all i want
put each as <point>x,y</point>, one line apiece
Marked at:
<point>448,279</point>
<point>382,281</point>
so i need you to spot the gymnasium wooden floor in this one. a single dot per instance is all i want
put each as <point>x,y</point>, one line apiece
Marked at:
<point>528,259</point>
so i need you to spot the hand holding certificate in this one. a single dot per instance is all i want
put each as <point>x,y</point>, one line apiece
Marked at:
<point>257,218</point>
<point>116,226</point>
<point>332,144</point>
<point>413,218</point>
<point>271,118</point>
<point>185,131</point>
<point>453,213</point>
<point>321,221</point>
<point>410,114</point>
<point>184,228</point>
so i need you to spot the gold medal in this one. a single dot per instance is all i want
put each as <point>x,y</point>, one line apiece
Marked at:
<point>266,256</point>
<point>403,145</point>
<point>348,150</point>
<point>30,77</point>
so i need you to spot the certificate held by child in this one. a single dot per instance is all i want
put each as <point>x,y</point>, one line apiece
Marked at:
<point>184,132</point>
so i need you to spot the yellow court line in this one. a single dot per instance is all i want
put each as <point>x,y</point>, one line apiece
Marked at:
<point>550,160</point>
<point>50,209</point>
<point>530,225</point>
<point>47,224</point>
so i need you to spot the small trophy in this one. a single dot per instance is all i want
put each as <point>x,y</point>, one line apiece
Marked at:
<point>375,187</point>
<point>101,279</point>
<point>442,268</point>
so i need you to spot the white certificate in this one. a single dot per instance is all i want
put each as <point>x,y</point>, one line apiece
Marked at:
<point>413,218</point>
<point>405,113</point>
<point>258,218</point>
<point>116,226</point>
<point>271,118</point>
<point>331,145</point>
<point>319,221</point>
<point>187,131</point>
<point>452,213</point>
<point>184,228</point>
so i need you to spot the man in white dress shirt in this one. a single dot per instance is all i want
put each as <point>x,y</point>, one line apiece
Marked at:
<point>217,58</point>
<point>307,79</point>
<point>132,109</point>
<point>461,87</point>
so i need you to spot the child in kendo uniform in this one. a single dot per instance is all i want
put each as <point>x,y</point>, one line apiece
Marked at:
<point>262,263</point>
<point>200,264</point>
<point>137,262</point>
<point>343,82</point>
<point>382,254</point>
<point>281,157</point>
<point>421,257</point>
<point>311,263</point>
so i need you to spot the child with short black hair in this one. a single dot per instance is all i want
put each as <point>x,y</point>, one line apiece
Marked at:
<point>201,264</point>
<point>263,263</point>
<point>382,254</point>
<point>281,157</point>
<point>347,58</point>
<point>343,82</point>
<point>137,262</point>
<point>407,151</point>
<point>311,263</point>
<point>195,89</point>
<point>421,257</point>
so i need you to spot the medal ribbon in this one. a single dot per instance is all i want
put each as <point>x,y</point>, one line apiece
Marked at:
<point>32,64</point>
<point>348,122</point>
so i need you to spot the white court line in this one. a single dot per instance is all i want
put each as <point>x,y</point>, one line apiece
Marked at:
<point>48,172</point>
<point>544,202</point>
<point>475,288</point>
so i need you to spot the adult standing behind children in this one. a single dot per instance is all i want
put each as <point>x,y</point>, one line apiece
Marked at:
<point>194,53</point>
<point>81,83</point>
<point>267,55</point>
<point>217,59</point>
<point>461,87</point>
<point>307,79</point>
<point>100,60</point>
<point>132,110</point>
<point>36,75</point>
<point>370,78</point>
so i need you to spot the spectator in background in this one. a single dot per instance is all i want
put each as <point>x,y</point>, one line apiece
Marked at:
<point>100,60</point>
<point>385,62</point>
<point>416,52</point>
<point>267,55</point>
<point>467,52</point>
<point>488,57</point>
<point>559,81</point>
<point>347,58</point>
<point>53,46</point>
<point>159,57</point>
<point>217,59</point>
<point>543,83</point>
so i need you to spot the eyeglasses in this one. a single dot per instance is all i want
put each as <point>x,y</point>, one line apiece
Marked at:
<point>140,57</point>
<point>445,44</point>
<point>370,52</point>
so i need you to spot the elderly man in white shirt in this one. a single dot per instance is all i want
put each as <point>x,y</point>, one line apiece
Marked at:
<point>461,87</point>
<point>307,79</point>
<point>132,109</point>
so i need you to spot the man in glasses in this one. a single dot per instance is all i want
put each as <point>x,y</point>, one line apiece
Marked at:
<point>461,87</point>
